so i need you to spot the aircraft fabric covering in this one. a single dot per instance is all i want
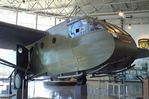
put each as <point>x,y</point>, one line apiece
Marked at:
<point>11,35</point>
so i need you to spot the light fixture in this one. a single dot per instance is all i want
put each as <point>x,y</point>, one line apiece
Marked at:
<point>121,13</point>
<point>129,26</point>
<point>23,1</point>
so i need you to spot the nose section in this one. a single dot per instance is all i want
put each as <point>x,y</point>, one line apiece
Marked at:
<point>94,49</point>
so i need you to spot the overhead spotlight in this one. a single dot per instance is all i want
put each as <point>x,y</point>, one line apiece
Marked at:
<point>129,26</point>
<point>121,13</point>
<point>23,1</point>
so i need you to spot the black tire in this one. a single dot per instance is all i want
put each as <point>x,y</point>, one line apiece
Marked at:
<point>81,80</point>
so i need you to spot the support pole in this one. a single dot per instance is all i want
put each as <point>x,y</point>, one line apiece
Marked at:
<point>81,92</point>
<point>36,24</point>
<point>122,23</point>
<point>22,93</point>
<point>10,88</point>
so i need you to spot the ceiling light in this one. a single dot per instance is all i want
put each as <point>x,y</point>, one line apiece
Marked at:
<point>23,1</point>
<point>121,13</point>
<point>129,26</point>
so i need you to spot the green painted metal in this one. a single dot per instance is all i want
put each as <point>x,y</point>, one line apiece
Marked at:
<point>81,53</point>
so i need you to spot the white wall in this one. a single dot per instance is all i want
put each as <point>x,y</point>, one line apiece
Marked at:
<point>27,20</point>
<point>138,31</point>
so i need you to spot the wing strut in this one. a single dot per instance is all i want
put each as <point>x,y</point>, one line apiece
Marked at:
<point>6,63</point>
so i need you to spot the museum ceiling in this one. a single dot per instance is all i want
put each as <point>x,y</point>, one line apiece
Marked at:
<point>135,10</point>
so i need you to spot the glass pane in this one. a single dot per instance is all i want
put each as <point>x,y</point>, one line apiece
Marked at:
<point>10,56</point>
<point>110,90</point>
<point>116,93</point>
<point>8,16</point>
<point>58,21</point>
<point>27,20</point>
<point>45,23</point>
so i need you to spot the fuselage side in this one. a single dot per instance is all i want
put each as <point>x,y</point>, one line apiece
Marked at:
<point>81,47</point>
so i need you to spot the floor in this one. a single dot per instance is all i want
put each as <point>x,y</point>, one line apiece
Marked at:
<point>93,90</point>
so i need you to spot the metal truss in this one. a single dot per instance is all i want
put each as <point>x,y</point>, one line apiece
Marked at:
<point>65,7</point>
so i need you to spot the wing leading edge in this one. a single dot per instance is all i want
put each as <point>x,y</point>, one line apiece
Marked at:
<point>11,35</point>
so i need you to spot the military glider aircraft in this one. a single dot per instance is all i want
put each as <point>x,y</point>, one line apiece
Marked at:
<point>73,48</point>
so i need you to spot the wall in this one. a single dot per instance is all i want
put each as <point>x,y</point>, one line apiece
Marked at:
<point>138,31</point>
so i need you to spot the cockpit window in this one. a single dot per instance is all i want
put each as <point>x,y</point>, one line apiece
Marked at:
<point>82,27</point>
<point>118,30</point>
<point>121,30</point>
<point>114,30</point>
<point>111,30</point>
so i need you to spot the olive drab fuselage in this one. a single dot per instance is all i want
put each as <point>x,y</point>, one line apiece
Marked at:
<point>84,44</point>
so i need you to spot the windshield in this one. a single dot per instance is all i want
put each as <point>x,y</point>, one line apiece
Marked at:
<point>115,30</point>
<point>83,26</point>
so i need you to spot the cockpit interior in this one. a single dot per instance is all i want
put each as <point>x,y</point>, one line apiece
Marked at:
<point>87,25</point>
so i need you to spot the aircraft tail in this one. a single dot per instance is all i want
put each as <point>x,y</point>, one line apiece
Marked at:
<point>142,53</point>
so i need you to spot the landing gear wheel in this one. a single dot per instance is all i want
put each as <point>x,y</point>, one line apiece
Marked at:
<point>81,80</point>
<point>17,80</point>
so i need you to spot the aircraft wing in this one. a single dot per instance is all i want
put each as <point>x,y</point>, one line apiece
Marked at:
<point>10,35</point>
<point>142,53</point>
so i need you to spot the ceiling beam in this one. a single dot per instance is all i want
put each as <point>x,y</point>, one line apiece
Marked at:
<point>73,4</point>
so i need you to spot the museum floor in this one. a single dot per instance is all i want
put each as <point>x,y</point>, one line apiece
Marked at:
<point>93,90</point>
